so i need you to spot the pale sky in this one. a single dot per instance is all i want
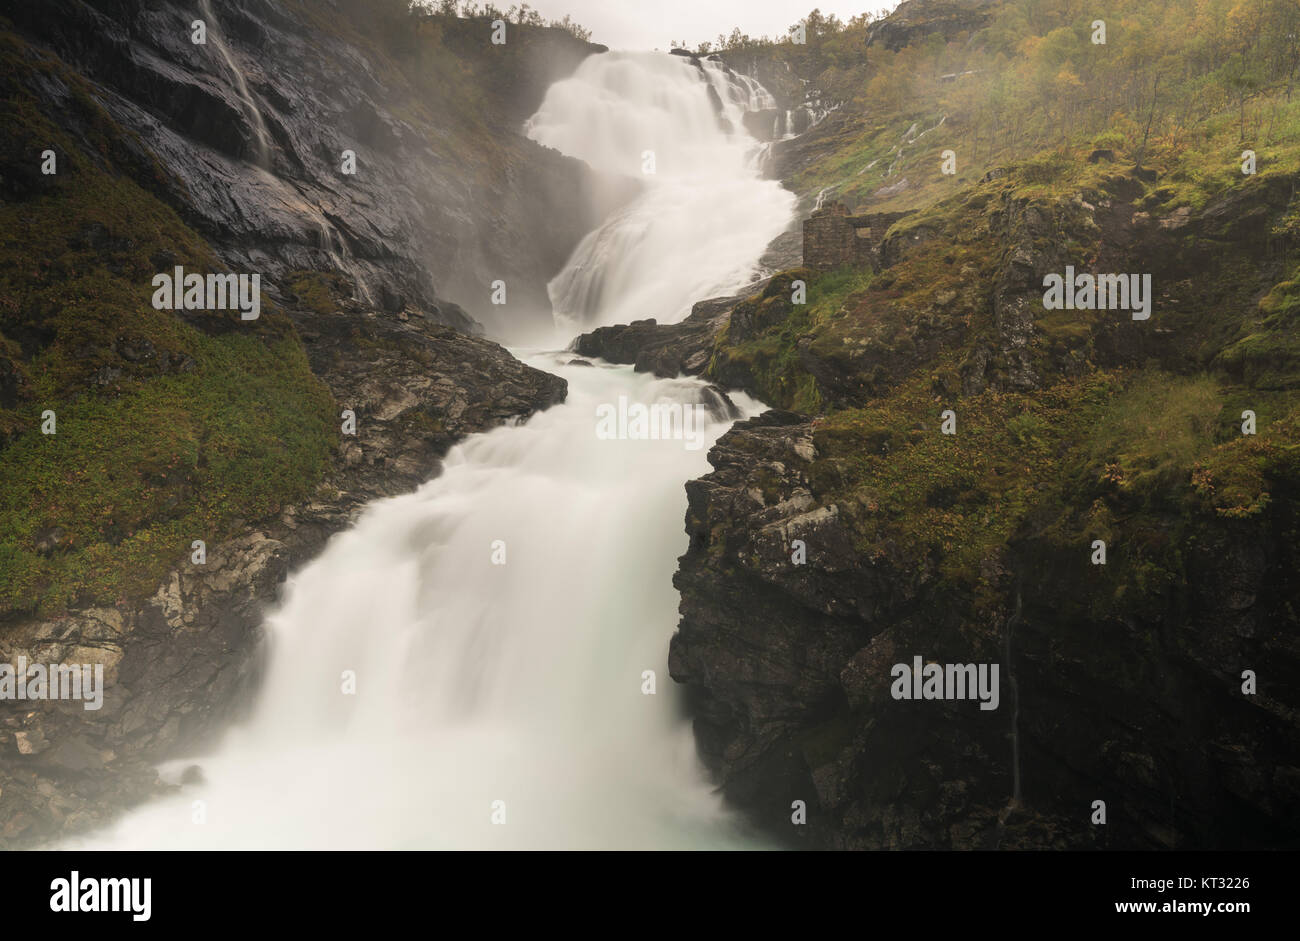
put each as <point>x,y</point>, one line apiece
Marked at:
<point>653,24</point>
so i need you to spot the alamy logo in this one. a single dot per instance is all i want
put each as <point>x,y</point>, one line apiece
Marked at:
<point>57,681</point>
<point>75,894</point>
<point>946,681</point>
<point>183,291</point>
<point>663,421</point>
<point>1098,292</point>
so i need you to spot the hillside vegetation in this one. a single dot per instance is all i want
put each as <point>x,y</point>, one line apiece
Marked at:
<point>1172,442</point>
<point>1183,86</point>
<point>165,430</point>
<point>1173,98</point>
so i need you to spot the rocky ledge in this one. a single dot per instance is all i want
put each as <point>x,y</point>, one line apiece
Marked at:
<point>667,350</point>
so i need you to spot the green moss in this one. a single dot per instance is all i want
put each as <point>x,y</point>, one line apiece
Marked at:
<point>316,290</point>
<point>1065,463</point>
<point>167,431</point>
<point>917,494</point>
<point>770,360</point>
<point>1161,462</point>
<point>1146,439</point>
<point>1267,355</point>
<point>131,481</point>
<point>1047,167</point>
<point>416,423</point>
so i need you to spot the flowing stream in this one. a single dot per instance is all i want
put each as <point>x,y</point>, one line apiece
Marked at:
<point>262,135</point>
<point>501,621</point>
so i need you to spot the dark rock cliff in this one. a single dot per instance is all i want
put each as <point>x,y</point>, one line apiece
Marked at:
<point>790,671</point>
<point>1122,683</point>
<point>249,131</point>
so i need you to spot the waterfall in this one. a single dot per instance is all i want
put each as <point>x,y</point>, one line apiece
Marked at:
<point>739,93</point>
<point>1013,803</point>
<point>330,243</point>
<point>501,624</point>
<point>479,682</point>
<point>705,214</point>
<point>1012,623</point>
<point>327,241</point>
<point>241,84</point>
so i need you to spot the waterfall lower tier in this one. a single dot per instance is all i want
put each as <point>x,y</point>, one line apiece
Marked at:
<point>498,623</point>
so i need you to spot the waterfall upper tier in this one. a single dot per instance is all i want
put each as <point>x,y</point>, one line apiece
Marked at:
<point>705,213</point>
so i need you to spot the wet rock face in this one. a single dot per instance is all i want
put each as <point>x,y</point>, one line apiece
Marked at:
<point>246,136</point>
<point>400,242</point>
<point>810,718</point>
<point>1149,708</point>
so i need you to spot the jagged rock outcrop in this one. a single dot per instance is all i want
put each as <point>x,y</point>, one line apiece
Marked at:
<point>668,350</point>
<point>915,19</point>
<point>810,717</point>
<point>789,671</point>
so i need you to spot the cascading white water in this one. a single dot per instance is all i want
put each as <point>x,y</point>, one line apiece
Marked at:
<point>521,682</point>
<point>478,682</point>
<point>331,244</point>
<point>738,93</point>
<point>260,132</point>
<point>705,215</point>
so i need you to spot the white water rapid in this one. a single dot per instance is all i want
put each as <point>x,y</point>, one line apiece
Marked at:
<point>478,682</point>
<point>705,214</point>
<point>520,683</point>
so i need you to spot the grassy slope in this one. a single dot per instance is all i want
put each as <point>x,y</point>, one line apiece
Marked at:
<point>205,425</point>
<point>1144,452</point>
<point>1139,444</point>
